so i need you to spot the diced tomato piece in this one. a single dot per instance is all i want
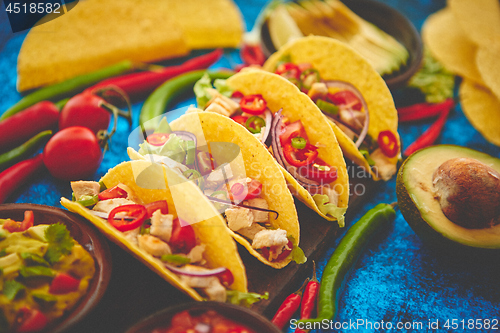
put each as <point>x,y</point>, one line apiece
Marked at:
<point>152,207</point>
<point>63,283</point>
<point>346,98</point>
<point>112,193</point>
<point>14,226</point>
<point>267,250</point>
<point>30,320</point>
<point>158,139</point>
<point>240,119</point>
<point>291,131</point>
<point>183,238</point>
<point>241,192</point>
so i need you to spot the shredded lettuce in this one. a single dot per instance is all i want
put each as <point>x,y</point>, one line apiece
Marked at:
<point>163,126</point>
<point>246,299</point>
<point>222,87</point>
<point>326,208</point>
<point>201,91</point>
<point>297,253</point>
<point>175,148</point>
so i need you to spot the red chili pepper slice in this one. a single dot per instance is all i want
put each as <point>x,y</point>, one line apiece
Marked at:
<point>288,70</point>
<point>240,119</point>
<point>158,139</point>
<point>291,131</point>
<point>346,98</point>
<point>388,142</point>
<point>300,157</point>
<point>152,207</point>
<point>137,211</point>
<point>112,193</point>
<point>253,104</point>
<point>252,54</point>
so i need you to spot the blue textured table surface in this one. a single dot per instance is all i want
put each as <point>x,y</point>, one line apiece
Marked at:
<point>398,279</point>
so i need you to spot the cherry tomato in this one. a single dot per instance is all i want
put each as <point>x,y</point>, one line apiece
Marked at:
<point>112,193</point>
<point>183,238</point>
<point>85,109</point>
<point>320,172</point>
<point>347,98</point>
<point>73,153</point>
<point>158,139</point>
<point>388,143</point>
<point>241,192</point>
<point>63,283</point>
<point>267,250</point>
<point>152,207</point>
<point>240,119</point>
<point>291,131</point>
<point>300,157</point>
<point>139,213</point>
<point>30,320</point>
<point>13,226</point>
<point>253,104</point>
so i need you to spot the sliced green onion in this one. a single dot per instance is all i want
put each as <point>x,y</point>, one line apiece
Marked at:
<point>254,124</point>
<point>327,107</point>
<point>175,259</point>
<point>195,175</point>
<point>88,200</point>
<point>309,77</point>
<point>299,142</point>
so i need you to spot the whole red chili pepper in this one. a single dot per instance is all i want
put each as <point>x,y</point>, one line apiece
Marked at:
<point>18,174</point>
<point>22,126</point>
<point>252,54</point>
<point>430,135</point>
<point>137,85</point>
<point>309,299</point>
<point>289,306</point>
<point>423,110</point>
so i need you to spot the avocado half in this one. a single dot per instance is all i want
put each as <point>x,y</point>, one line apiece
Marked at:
<point>421,209</point>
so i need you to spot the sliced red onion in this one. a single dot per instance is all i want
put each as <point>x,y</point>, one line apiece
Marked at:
<point>276,130</point>
<point>224,274</point>
<point>229,203</point>
<point>347,86</point>
<point>268,117</point>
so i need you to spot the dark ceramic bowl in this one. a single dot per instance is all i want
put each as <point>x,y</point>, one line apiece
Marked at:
<point>387,19</point>
<point>239,314</point>
<point>87,236</point>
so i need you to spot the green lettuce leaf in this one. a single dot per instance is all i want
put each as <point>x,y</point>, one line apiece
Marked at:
<point>175,148</point>
<point>201,90</point>
<point>326,208</point>
<point>246,299</point>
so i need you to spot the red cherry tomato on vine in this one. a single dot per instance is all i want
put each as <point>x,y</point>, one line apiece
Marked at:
<point>85,110</point>
<point>73,153</point>
<point>183,238</point>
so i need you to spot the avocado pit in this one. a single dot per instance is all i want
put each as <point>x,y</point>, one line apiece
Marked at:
<point>468,192</point>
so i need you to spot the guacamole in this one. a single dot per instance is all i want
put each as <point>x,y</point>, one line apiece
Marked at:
<point>43,274</point>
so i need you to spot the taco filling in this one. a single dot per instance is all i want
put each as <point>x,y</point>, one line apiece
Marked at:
<point>238,199</point>
<point>344,105</point>
<point>288,141</point>
<point>169,240</point>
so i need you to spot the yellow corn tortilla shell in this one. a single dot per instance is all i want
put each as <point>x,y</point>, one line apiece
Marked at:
<point>256,162</point>
<point>449,44</point>
<point>482,109</point>
<point>489,66</point>
<point>98,33</point>
<point>337,61</point>
<point>479,19</point>
<point>280,93</point>
<point>209,227</point>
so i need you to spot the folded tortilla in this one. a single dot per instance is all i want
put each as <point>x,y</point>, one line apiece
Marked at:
<point>335,60</point>
<point>151,182</point>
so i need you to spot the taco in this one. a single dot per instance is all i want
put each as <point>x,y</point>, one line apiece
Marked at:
<point>289,124</point>
<point>237,174</point>
<point>190,248</point>
<point>353,96</point>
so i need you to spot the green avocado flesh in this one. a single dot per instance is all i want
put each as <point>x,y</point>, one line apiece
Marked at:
<point>422,210</point>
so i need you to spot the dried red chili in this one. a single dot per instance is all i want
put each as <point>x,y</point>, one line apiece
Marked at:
<point>430,135</point>
<point>289,306</point>
<point>423,110</point>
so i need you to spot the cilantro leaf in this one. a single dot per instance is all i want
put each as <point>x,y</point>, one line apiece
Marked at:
<point>60,242</point>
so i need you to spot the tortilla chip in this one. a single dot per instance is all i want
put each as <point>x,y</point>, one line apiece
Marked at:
<point>280,93</point>
<point>449,44</point>
<point>489,66</point>
<point>479,19</point>
<point>209,227</point>
<point>482,109</point>
<point>256,163</point>
<point>337,61</point>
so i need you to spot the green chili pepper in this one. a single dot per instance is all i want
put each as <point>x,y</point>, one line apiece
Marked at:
<point>87,200</point>
<point>254,124</point>
<point>195,175</point>
<point>61,103</point>
<point>308,77</point>
<point>175,259</point>
<point>299,142</point>
<point>327,107</point>
<point>68,87</point>
<point>159,100</point>
<point>345,256</point>
<point>15,155</point>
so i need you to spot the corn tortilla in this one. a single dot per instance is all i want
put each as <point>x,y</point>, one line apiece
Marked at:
<point>209,227</point>
<point>489,67</point>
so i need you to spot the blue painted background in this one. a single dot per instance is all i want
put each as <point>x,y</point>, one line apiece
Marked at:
<point>398,278</point>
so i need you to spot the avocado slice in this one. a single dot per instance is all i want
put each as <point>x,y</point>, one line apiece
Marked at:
<point>421,207</point>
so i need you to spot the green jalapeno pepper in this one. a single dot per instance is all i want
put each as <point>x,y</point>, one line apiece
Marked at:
<point>345,256</point>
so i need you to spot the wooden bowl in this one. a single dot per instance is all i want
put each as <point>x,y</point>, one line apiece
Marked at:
<point>87,236</point>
